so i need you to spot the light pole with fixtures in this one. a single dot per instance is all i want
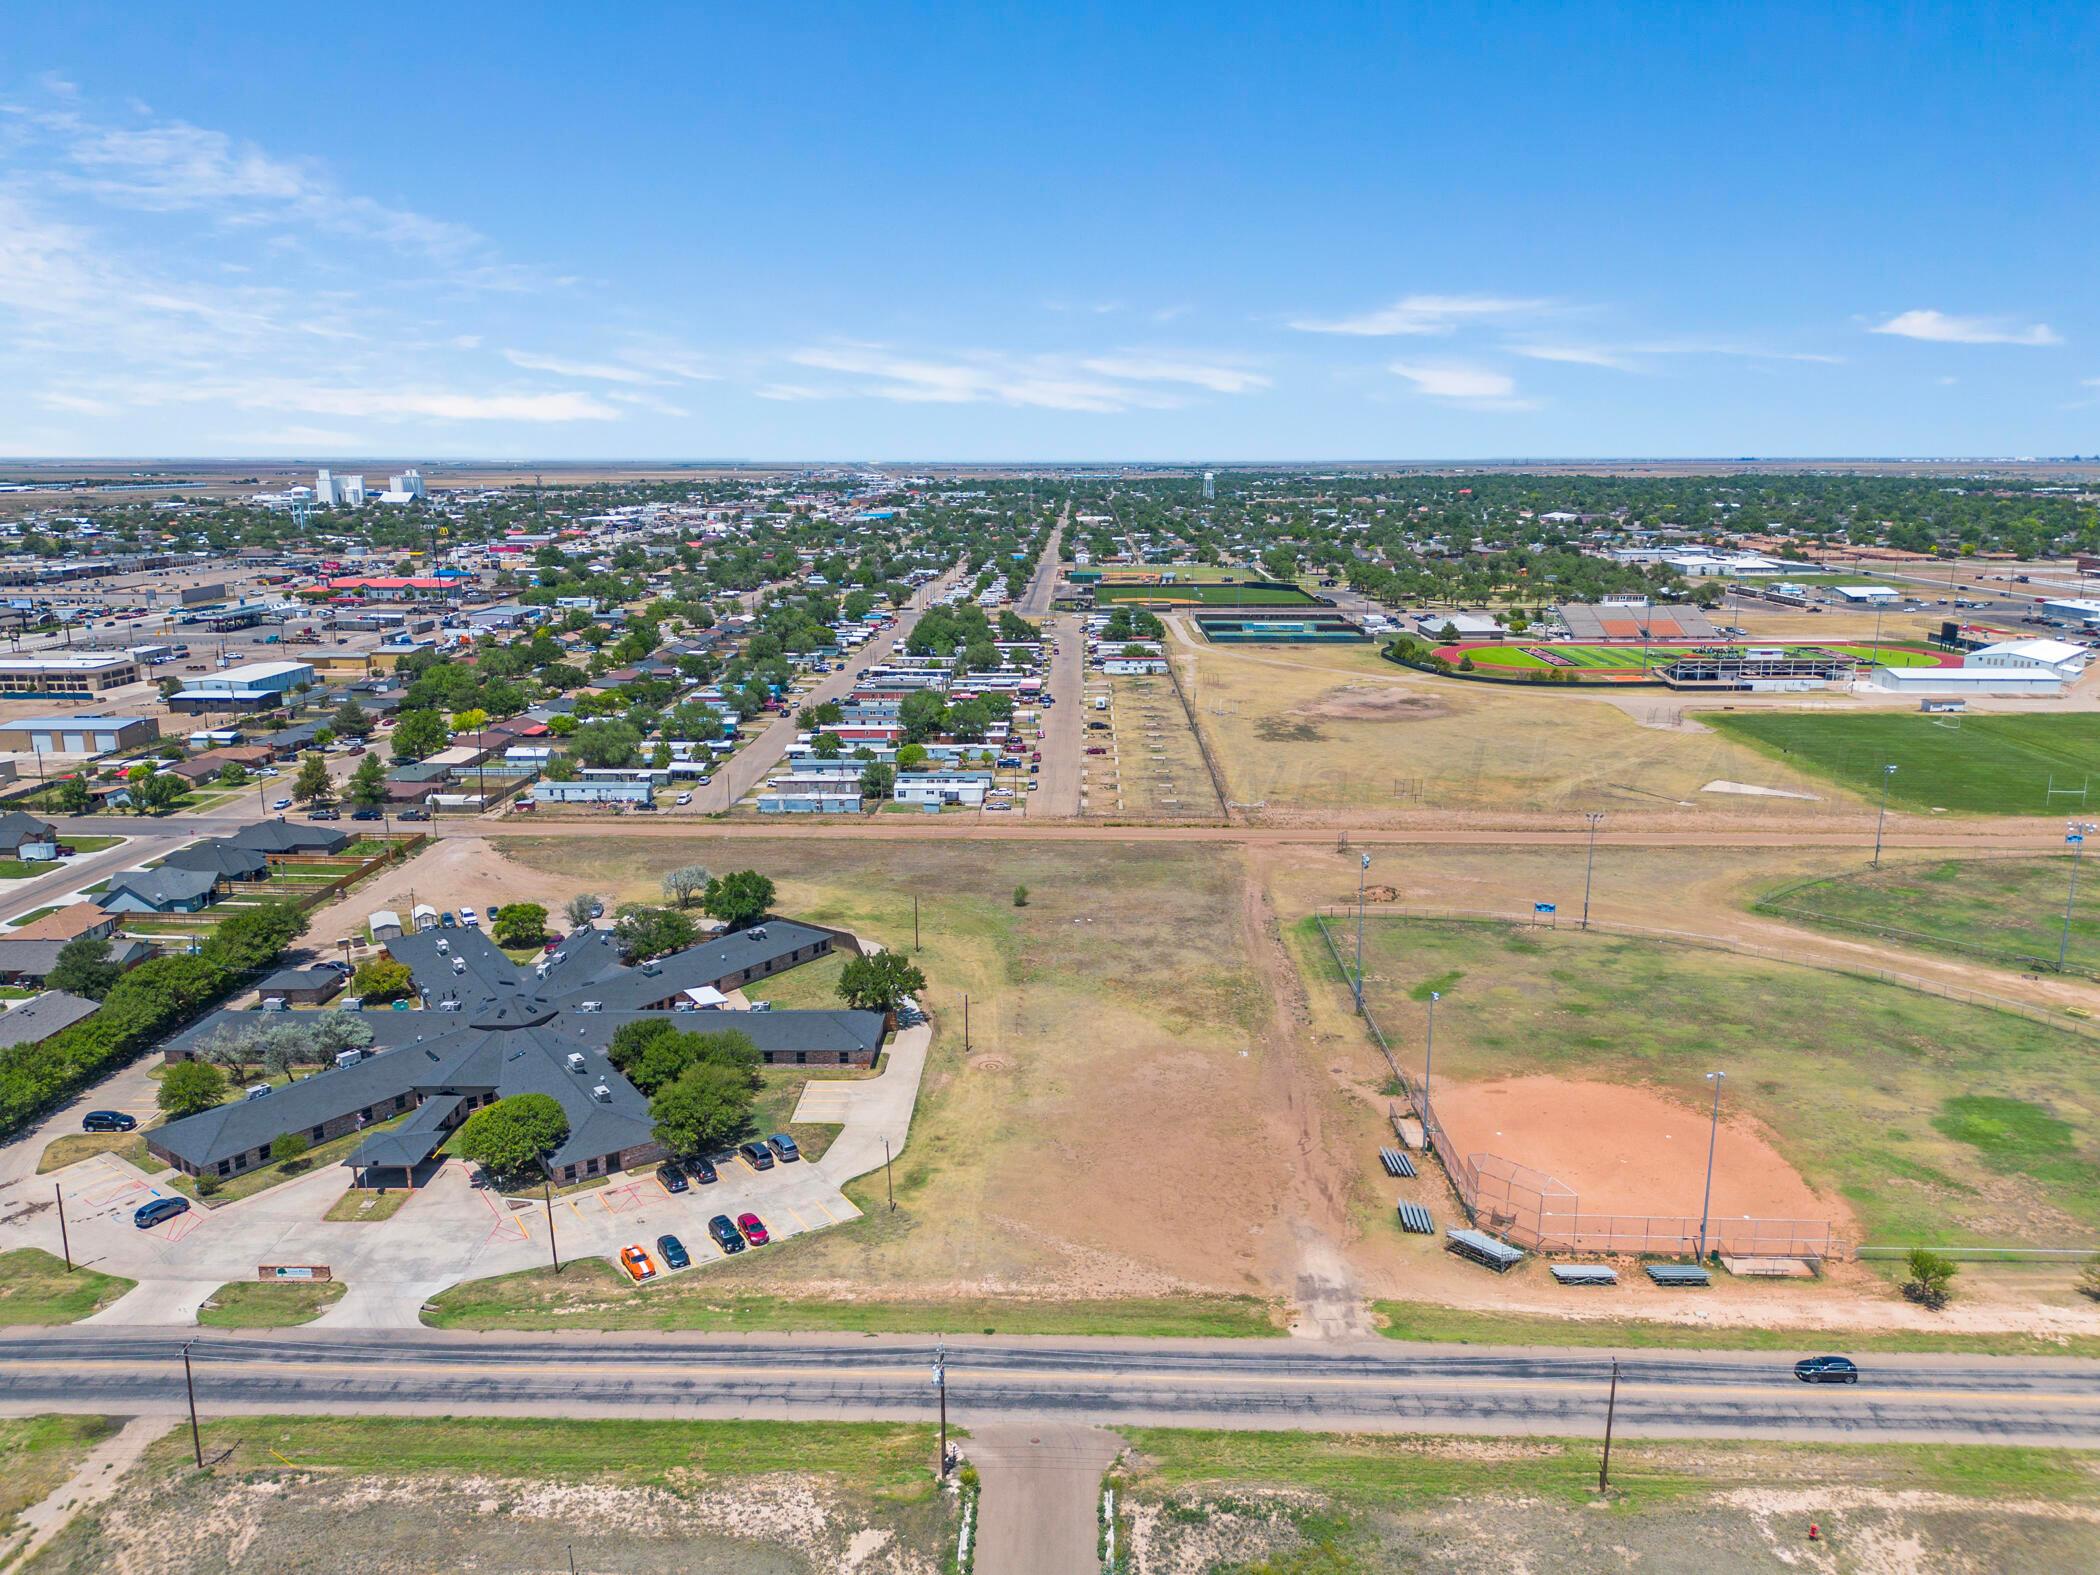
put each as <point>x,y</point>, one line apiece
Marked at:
<point>2074,834</point>
<point>1713,1134</point>
<point>1361,871</point>
<point>1888,775</point>
<point>1594,817</point>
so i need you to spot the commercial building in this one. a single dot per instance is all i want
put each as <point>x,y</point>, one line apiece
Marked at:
<point>79,676</point>
<point>256,686</point>
<point>77,735</point>
<point>2036,682</point>
<point>2060,657</point>
<point>1868,595</point>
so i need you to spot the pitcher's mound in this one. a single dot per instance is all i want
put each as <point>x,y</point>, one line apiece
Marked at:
<point>1625,1149</point>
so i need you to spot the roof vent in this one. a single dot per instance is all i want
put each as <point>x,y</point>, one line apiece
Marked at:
<point>651,969</point>
<point>576,1060</point>
<point>591,1006</point>
<point>443,944</point>
<point>602,1093</point>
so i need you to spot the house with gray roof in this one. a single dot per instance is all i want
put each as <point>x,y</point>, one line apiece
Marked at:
<point>33,1022</point>
<point>17,828</point>
<point>33,960</point>
<point>229,861</point>
<point>164,890</point>
<point>287,836</point>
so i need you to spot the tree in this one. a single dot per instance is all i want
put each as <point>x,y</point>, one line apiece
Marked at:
<point>471,720</point>
<point>313,786</point>
<point>71,797</point>
<point>911,757</point>
<point>155,791</point>
<point>606,744</point>
<point>382,979</point>
<point>738,899</point>
<point>1020,896</point>
<point>879,981</point>
<point>1931,1278</point>
<point>921,714</point>
<point>684,883</point>
<point>511,1135</point>
<point>702,1109</point>
<point>247,940</point>
<point>289,1148</point>
<point>521,924</point>
<point>367,785</point>
<point>644,932</point>
<point>418,734</point>
<point>352,720</point>
<point>582,909</point>
<point>83,968</point>
<point>232,774</point>
<point>827,746</point>
<point>877,780</point>
<point>188,1087</point>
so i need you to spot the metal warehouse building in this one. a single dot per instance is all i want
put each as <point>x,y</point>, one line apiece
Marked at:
<point>77,735</point>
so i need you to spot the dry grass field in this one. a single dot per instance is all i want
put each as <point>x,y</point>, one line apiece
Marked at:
<point>1095,1138</point>
<point>1157,763</point>
<point>1314,733</point>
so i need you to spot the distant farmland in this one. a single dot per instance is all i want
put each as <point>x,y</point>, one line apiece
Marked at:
<point>1980,765</point>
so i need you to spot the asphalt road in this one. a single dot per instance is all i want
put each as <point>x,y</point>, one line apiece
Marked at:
<point>1379,1386</point>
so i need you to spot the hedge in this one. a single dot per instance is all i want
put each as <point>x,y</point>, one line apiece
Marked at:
<point>145,1005</point>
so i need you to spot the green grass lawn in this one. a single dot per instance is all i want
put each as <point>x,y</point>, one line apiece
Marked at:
<point>1989,765</point>
<point>32,916</point>
<point>1242,594</point>
<point>37,1454</point>
<point>1427,1321</point>
<point>1939,1122</point>
<point>812,987</point>
<point>2009,911</point>
<point>592,1294</point>
<point>35,1288</point>
<point>269,1304</point>
<point>73,1147</point>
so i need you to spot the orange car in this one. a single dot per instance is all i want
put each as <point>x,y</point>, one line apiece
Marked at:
<point>639,1265</point>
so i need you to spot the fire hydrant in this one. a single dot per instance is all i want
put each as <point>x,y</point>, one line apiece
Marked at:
<point>1814,1534</point>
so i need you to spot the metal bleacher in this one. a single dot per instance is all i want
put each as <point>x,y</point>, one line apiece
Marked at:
<point>1678,1275</point>
<point>1396,1162</point>
<point>1415,1219</point>
<point>1584,1274</point>
<point>1484,1250</point>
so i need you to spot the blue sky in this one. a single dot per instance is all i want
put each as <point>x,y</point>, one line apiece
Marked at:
<point>994,233</point>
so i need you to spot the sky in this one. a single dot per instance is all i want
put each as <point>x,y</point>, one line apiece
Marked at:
<point>1003,234</point>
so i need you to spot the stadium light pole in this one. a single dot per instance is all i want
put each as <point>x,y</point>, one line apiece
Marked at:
<point>1429,1059</point>
<point>1362,870</point>
<point>1595,817</point>
<point>1888,774</point>
<point>1713,1134</point>
<point>2074,834</point>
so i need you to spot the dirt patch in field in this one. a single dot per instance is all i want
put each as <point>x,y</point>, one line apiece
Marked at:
<point>1375,703</point>
<point>448,872</point>
<point>1626,1150</point>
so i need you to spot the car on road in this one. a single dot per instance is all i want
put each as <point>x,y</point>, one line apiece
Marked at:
<point>672,1177</point>
<point>469,918</point>
<point>701,1170</point>
<point>324,813</point>
<point>283,803</point>
<point>364,814</point>
<point>725,1233</point>
<point>756,1155</point>
<point>783,1148</point>
<point>108,1121</point>
<point>1827,1370</point>
<point>148,1215</point>
<point>754,1229</point>
<point>684,798</point>
<point>413,813</point>
<point>637,1262</point>
<point>674,1254</point>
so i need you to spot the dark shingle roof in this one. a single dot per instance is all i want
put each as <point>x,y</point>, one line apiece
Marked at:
<point>157,886</point>
<point>286,836</point>
<point>227,860</point>
<point>33,1022</point>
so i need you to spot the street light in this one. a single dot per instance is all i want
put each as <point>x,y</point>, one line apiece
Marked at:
<point>2074,834</point>
<point>1429,1060</point>
<point>1361,870</point>
<point>1888,774</point>
<point>1712,1136</point>
<point>1595,817</point>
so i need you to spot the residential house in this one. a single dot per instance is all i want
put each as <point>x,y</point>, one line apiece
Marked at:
<point>33,1022</point>
<point>164,890</point>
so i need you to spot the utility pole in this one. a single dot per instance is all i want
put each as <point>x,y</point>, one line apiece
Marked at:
<point>915,921</point>
<point>888,1184</point>
<point>1611,1409</point>
<point>547,1192</point>
<point>64,1241</point>
<point>966,1025</point>
<point>1888,774</point>
<point>1429,1062</point>
<point>940,1382</point>
<point>1713,1134</point>
<point>1362,870</point>
<point>189,1383</point>
<point>2074,834</point>
<point>1595,817</point>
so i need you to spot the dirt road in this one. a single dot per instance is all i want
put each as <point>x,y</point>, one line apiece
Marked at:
<point>1042,1482</point>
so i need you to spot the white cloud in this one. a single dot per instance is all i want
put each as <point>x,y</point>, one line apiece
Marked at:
<point>79,404</point>
<point>1136,367</point>
<point>1576,355</point>
<point>1477,388</point>
<point>1425,314</point>
<point>1944,328</point>
<point>1099,384</point>
<point>601,371</point>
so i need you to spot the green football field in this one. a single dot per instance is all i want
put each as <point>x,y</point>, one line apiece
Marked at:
<point>1242,594</point>
<point>1981,765</point>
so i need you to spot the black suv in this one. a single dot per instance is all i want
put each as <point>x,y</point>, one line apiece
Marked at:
<point>107,1121</point>
<point>1827,1370</point>
<point>674,1253</point>
<point>725,1233</point>
<point>671,1176</point>
<point>756,1155</point>
<point>701,1170</point>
